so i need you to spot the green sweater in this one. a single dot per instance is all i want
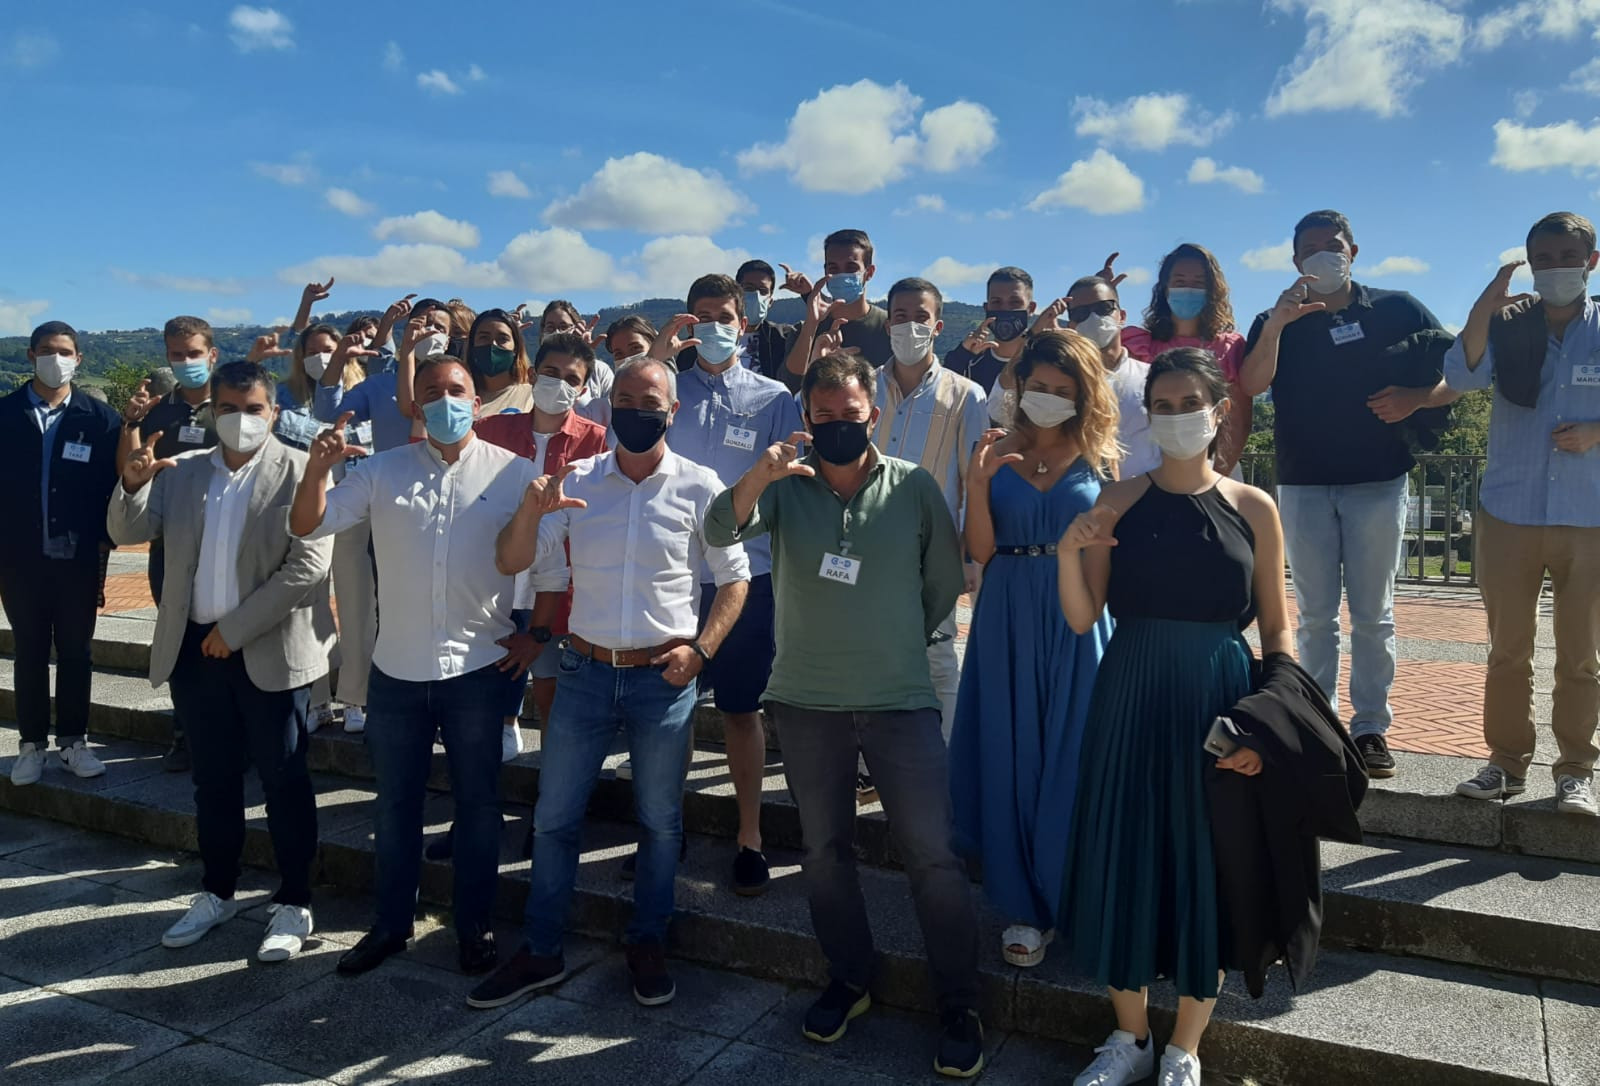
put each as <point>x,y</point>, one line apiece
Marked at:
<point>863,646</point>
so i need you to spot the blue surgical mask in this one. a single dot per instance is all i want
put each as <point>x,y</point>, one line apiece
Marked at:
<point>192,374</point>
<point>717,341</point>
<point>1186,302</point>
<point>756,305</point>
<point>845,287</point>
<point>447,419</point>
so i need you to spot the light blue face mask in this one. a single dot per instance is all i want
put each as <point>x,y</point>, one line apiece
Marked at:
<point>192,374</point>
<point>447,419</point>
<point>1186,302</point>
<point>845,287</point>
<point>717,341</point>
<point>756,305</point>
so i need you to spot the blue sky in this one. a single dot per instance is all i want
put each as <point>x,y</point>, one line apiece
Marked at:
<point>210,158</point>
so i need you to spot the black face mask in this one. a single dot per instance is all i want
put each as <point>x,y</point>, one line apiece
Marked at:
<point>637,430</point>
<point>1008,323</point>
<point>840,442</point>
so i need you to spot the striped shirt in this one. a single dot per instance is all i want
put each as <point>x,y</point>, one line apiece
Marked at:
<point>935,427</point>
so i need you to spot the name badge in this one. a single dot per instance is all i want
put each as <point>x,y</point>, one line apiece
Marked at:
<point>740,438</point>
<point>192,435</point>
<point>76,451</point>
<point>836,567</point>
<point>364,433</point>
<point>1346,333</point>
<point>1587,374</point>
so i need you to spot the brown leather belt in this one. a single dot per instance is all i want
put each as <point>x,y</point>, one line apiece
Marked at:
<point>622,658</point>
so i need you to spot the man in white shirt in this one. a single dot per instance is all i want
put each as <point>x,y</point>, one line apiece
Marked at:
<point>635,518</point>
<point>1093,311</point>
<point>243,630</point>
<point>435,508</point>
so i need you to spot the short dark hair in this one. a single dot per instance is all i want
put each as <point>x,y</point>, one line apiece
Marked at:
<point>916,285</point>
<point>716,287</point>
<point>242,377</point>
<point>184,327</point>
<point>761,267</point>
<point>1010,274</point>
<point>1196,361</point>
<point>52,328</point>
<point>1088,282</point>
<point>1318,220</point>
<point>428,305</point>
<point>368,321</point>
<point>851,239</point>
<point>837,370</point>
<point>1566,224</point>
<point>568,343</point>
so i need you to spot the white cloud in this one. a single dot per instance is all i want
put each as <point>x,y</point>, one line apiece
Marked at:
<point>1568,145</point>
<point>1100,184</point>
<point>957,136</point>
<point>1149,122</point>
<point>394,58</point>
<point>1523,276</point>
<point>298,172</point>
<point>1586,79</point>
<point>259,28</point>
<point>1138,277</point>
<point>30,50</point>
<point>1564,19</point>
<point>187,284</point>
<point>476,74</point>
<point>20,318</point>
<point>228,317</point>
<point>437,82</point>
<point>556,260</point>
<point>507,183</point>
<point>1397,265</point>
<point>1526,101</point>
<point>347,202</point>
<point>650,194</point>
<point>666,266</point>
<point>859,137</point>
<point>399,266</point>
<point>922,202</point>
<point>1365,56</point>
<point>770,228</point>
<point>947,272</point>
<point>1205,171</point>
<point>428,228</point>
<point>999,213</point>
<point>1270,258</point>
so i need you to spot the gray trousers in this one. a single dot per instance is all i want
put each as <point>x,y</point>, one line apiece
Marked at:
<point>905,753</point>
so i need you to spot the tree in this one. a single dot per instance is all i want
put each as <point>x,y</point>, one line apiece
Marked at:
<point>119,382</point>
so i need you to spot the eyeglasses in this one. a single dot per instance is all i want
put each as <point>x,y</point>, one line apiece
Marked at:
<point>1081,313</point>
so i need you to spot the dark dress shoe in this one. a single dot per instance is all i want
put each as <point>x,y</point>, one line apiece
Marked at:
<point>442,848</point>
<point>478,954</point>
<point>371,951</point>
<point>176,759</point>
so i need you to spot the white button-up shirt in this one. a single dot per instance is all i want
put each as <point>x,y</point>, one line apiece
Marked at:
<point>444,605</point>
<point>216,575</point>
<point>637,550</point>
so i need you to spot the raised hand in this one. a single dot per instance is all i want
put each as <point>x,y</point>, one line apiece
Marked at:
<point>831,342</point>
<point>1091,529</point>
<point>782,460</point>
<point>398,311</point>
<point>417,330</point>
<point>591,331</point>
<point>351,346</point>
<point>266,346</point>
<point>330,448</point>
<point>1050,316</point>
<point>817,306</point>
<point>1497,295</point>
<point>143,465</point>
<point>979,340</point>
<point>316,292</point>
<point>1292,305</point>
<point>545,494</point>
<point>139,404</point>
<point>797,282</point>
<point>986,463</point>
<point>669,344</point>
<point>1109,274</point>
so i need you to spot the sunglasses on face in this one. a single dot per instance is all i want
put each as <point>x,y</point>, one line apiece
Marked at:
<point>1081,313</point>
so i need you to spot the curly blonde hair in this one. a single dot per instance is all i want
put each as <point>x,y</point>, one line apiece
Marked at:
<point>1095,424</point>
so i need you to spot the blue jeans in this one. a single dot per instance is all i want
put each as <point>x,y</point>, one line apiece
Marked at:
<point>1346,539</point>
<point>593,700</point>
<point>402,719</point>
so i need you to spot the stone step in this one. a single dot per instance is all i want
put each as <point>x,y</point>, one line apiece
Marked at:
<point>1365,1018</point>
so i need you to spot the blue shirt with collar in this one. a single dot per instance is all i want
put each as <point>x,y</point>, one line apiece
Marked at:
<point>372,400</point>
<point>48,419</point>
<point>725,422</point>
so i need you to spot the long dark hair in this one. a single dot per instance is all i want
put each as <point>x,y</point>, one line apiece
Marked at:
<point>1215,319</point>
<point>499,316</point>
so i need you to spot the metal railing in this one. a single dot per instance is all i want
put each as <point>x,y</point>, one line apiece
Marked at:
<point>1441,515</point>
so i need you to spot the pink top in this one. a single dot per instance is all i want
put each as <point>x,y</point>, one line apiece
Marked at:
<point>1228,347</point>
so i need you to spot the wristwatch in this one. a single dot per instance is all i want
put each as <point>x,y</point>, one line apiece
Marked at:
<point>700,651</point>
<point>541,634</point>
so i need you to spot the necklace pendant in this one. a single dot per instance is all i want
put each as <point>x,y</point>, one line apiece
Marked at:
<point>1042,469</point>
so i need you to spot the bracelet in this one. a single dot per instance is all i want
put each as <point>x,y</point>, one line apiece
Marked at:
<point>700,651</point>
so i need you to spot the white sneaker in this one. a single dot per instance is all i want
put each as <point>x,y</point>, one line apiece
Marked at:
<point>355,719</point>
<point>1492,782</point>
<point>1574,795</point>
<point>510,742</point>
<point>318,716</point>
<point>1178,1068</point>
<point>29,766</point>
<point>205,912</point>
<point>287,932</point>
<point>625,769</point>
<point>1120,1060</point>
<point>81,760</point>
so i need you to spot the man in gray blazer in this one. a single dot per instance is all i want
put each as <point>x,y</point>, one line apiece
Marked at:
<point>243,629</point>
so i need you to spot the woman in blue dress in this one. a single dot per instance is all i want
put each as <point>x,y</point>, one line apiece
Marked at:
<point>1185,558</point>
<point>1027,677</point>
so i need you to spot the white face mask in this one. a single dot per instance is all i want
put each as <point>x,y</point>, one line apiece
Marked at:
<point>1184,437</point>
<point>317,364</point>
<point>1048,410</point>
<point>1100,329</point>
<point>553,396</point>
<point>55,370</point>
<point>432,346</point>
<point>1332,271</point>
<point>243,432</point>
<point>911,342</point>
<point>1560,286</point>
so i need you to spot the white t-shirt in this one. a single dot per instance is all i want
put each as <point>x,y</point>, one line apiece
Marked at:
<point>1140,454</point>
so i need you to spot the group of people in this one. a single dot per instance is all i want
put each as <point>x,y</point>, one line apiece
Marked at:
<point>782,518</point>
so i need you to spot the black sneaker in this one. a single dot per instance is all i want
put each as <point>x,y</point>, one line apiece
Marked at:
<point>866,791</point>
<point>441,849</point>
<point>750,874</point>
<point>630,864</point>
<point>524,973</point>
<point>960,1044</point>
<point>830,1015</point>
<point>1375,756</point>
<point>477,954</point>
<point>647,964</point>
<point>176,759</point>
<point>376,947</point>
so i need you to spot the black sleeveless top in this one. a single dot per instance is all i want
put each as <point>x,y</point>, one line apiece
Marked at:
<point>1189,557</point>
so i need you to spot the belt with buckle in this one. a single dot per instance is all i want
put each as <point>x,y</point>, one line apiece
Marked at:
<point>621,658</point>
<point>1032,550</point>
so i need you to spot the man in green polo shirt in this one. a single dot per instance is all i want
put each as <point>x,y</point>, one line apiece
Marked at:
<point>865,565</point>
